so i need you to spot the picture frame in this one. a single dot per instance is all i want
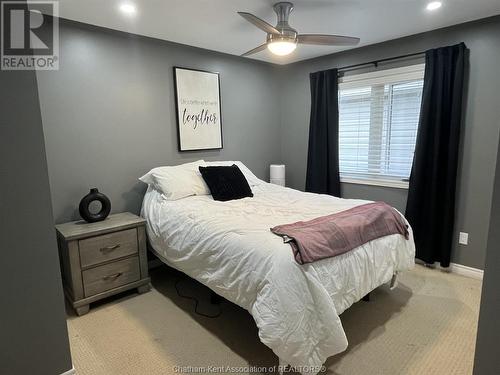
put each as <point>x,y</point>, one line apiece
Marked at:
<point>198,109</point>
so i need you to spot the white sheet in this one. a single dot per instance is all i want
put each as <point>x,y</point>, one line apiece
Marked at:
<point>228,247</point>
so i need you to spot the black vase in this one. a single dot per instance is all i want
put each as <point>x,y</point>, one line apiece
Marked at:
<point>94,195</point>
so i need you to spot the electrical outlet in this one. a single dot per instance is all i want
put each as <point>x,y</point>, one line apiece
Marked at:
<point>463,238</point>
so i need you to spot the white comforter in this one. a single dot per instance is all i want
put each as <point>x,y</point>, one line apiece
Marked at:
<point>228,247</point>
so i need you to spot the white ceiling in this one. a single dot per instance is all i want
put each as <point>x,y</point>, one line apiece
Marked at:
<point>214,24</point>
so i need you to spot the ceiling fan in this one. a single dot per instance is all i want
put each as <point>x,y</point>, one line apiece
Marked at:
<point>282,39</point>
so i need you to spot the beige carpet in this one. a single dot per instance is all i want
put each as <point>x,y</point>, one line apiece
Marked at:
<point>426,326</point>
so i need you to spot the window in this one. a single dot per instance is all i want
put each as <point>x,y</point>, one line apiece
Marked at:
<point>378,121</point>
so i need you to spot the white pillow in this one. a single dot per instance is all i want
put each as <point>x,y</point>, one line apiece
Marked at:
<point>176,182</point>
<point>252,179</point>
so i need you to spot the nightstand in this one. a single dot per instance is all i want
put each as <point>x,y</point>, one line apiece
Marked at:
<point>101,259</point>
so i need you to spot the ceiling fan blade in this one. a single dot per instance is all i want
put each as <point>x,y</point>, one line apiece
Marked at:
<point>261,24</point>
<point>262,47</point>
<point>327,40</point>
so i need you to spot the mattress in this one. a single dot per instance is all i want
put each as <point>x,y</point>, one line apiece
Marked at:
<point>228,246</point>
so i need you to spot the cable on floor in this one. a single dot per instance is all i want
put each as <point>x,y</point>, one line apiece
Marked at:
<point>196,302</point>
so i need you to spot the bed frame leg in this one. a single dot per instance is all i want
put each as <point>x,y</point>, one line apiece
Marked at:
<point>215,299</point>
<point>394,281</point>
<point>366,298</point>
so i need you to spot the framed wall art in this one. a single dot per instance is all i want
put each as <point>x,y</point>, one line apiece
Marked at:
<point>198,108</point>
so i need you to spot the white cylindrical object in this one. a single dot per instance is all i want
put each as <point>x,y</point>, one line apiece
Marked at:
<point>277,174</point>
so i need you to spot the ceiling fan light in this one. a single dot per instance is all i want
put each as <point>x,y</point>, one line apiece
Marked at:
<point>433,5</point>
<point>282,47</point>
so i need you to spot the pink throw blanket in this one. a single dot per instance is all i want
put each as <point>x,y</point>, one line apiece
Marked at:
<point>332,235</point>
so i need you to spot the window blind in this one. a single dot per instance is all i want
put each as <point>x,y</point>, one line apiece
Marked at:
<point>378,121</point>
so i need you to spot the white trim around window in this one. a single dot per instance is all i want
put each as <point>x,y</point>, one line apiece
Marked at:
<point>396,184</point>
<point>405,73</point>
<point>378,120</point>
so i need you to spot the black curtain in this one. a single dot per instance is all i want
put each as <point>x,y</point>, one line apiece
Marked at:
<point>323,153</point>
<point>431,195</point>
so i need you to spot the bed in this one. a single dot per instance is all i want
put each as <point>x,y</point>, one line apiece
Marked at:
<point>228,246</point>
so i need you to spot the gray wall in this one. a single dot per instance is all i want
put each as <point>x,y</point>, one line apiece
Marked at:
<point>109,114</point>
<point>487,360</point>
<point>480,130</point>
<point>33,331</point>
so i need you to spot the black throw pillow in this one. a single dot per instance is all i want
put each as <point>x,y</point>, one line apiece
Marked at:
<point>226,182</point>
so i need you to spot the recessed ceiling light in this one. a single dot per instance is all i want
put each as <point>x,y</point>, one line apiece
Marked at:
<point>128,8</point>
<point>433,5</point>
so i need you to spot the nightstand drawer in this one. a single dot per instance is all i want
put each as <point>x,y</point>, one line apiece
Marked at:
<point>100,249</point>
<point>109,276</point>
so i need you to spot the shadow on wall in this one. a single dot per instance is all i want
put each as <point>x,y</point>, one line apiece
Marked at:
<point>132,203</point>
<point>71,212</point>
<point>133,197</point>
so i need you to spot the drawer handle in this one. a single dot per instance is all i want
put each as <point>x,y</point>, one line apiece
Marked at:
<point>109,248</point>
<point>112,277</point>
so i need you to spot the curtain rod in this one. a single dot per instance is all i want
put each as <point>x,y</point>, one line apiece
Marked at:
<point>376,62</point>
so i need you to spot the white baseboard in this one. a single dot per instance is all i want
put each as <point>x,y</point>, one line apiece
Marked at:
<point>70,372</point>
<point>460,269</point>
